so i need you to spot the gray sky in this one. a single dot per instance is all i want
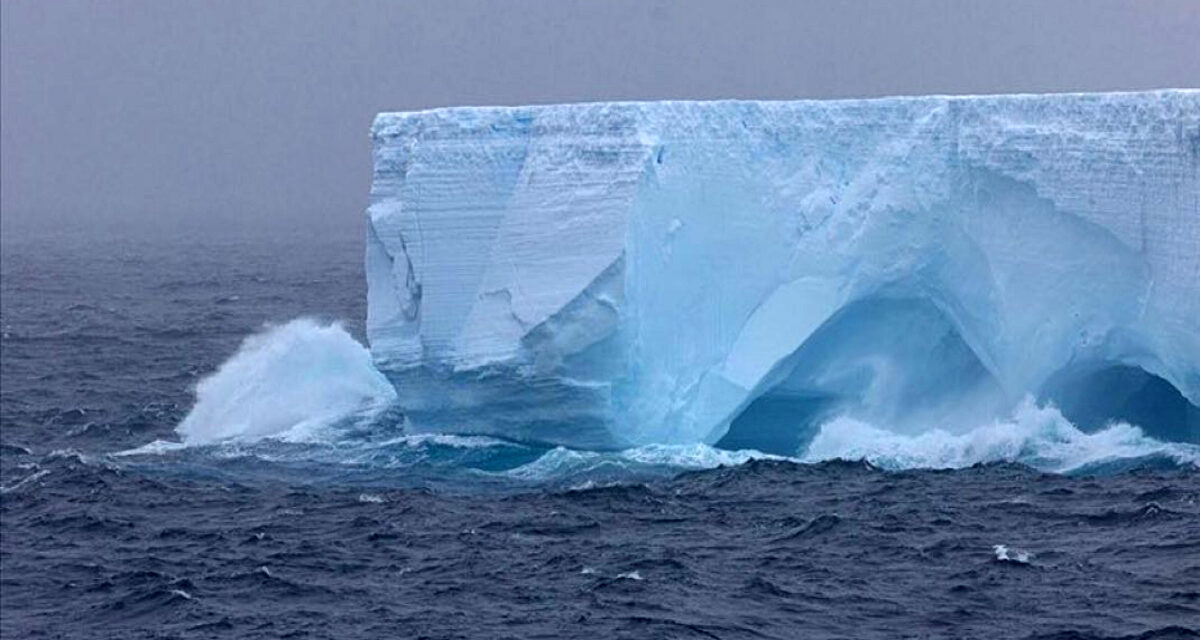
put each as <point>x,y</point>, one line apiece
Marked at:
<point>231,115</point>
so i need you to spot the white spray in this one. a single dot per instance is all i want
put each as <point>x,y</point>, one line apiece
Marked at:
<point>289,382</point>
<point>1035,435</point>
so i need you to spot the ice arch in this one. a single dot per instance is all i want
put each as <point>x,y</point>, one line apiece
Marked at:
<point>893,361</point>
<point>1094,394</point>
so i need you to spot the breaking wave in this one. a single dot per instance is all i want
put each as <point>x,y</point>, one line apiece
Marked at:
<point>562,462</point>
<point>290,382</point>
<point>1037,436</point>
<point>306,393</point>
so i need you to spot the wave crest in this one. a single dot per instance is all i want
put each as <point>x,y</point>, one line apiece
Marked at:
<point>1038,436</point>
<point>290,382</point>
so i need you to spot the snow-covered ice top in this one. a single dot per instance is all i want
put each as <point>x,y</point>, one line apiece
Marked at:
<point>625,273</point>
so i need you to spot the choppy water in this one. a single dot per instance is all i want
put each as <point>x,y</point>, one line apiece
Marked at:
<point>264,515</point>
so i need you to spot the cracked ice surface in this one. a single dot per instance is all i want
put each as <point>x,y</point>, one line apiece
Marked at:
<point>626,273</point>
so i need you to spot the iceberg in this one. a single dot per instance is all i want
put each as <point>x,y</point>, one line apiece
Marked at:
<point>738,272</point>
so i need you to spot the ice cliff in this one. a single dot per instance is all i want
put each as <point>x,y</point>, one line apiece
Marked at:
<point>626,273</point>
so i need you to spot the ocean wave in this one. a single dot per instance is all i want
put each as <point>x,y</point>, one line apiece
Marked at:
<point>307,392</point>
<point>290,382</point>
<point>562,462</point>
<point>1037,436</point>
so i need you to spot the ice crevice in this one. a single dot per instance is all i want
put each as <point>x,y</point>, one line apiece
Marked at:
<point>613,274</point>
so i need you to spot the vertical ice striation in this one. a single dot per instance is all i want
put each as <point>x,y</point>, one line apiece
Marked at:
<point>625,273</point>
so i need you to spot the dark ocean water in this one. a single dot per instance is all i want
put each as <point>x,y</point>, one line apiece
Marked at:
<point>379,533</point>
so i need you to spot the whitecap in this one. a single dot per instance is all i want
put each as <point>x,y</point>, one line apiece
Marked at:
<point>1038,436</point>
<point>561,461</point>
<point>158,447</point>
<point>31,478</point>
<point>1005,554</point>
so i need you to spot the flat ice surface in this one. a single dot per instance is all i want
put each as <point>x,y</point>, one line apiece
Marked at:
<point>627,273</point>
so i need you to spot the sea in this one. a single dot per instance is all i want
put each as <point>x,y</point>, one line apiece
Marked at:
<point>166,471</point>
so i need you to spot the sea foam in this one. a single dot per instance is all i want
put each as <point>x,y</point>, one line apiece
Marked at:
<point>1035,435</point>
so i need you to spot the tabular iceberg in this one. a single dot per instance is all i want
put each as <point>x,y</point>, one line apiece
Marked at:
<point>613,274</point>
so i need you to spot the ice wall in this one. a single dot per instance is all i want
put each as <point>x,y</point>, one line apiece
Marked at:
<point>624,273</point>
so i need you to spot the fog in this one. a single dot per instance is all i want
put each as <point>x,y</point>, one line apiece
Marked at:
<point>230,116</point>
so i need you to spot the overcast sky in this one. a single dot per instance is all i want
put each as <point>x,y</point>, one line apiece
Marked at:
<point>233,114</point>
